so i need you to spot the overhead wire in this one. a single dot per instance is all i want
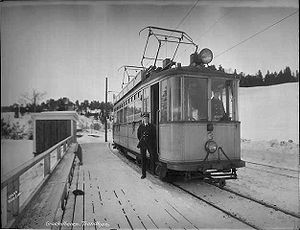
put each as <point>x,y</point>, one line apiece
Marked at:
<point>214,24</point>
<point>181,21</point>
<point>255,34</point>
<point>210,28</point>
<point>188,13</point>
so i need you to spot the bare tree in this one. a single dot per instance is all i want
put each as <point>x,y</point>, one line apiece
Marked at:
<point>33,98</point>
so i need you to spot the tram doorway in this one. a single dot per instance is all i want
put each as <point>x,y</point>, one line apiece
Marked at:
<point>155,108</point>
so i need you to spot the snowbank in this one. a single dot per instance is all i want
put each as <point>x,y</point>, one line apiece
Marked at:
<point>271,112</point>
<point>14,153</point>
<point>280,154</point>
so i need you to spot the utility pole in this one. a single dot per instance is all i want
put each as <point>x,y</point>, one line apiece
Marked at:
<point>105,110</point>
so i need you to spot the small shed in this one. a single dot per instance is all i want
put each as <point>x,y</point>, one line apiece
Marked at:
<point>49,128</point>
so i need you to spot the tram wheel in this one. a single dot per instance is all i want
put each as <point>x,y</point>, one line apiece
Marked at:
<point>161,170</point>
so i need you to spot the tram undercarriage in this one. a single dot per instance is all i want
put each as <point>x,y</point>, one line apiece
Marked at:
<point>211,171</point>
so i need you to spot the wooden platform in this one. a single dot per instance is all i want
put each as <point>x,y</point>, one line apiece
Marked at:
<point>113,196</point>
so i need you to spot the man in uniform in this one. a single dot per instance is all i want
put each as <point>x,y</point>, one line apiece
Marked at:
<point>146,135</point>
<point>217,107</point>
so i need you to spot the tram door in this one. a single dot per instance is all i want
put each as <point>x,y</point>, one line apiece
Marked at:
<point>155,108</point>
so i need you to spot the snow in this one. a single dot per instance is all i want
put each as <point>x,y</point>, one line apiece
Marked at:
<point>271,112</point>
<point>15,153</point>
<point>283,154</point>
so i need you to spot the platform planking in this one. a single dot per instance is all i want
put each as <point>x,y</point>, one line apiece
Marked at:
<point>110,198</point>
<point>116,198</point>
<point>79,212</point>
<point>68,214</point>
<point>100,205</point>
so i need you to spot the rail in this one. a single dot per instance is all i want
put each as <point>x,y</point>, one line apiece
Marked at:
<point>10,183</point>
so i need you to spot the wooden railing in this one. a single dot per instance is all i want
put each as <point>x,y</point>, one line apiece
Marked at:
<point>10,183</point>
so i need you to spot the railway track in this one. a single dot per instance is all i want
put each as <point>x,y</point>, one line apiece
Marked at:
<point>233,215</point>
<point>258,214</point>
<point>266,211</point>
<point>268,205</point>
<point>291,173</point>
<point>271,166</point>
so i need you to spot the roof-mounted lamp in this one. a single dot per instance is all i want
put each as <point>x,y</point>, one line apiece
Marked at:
<point>205,56</point>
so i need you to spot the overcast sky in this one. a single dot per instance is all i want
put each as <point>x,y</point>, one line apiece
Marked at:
<point>66,49</point>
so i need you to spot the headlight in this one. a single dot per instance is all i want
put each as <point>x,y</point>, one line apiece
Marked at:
<point>205,55</point>
<point>211,146</point>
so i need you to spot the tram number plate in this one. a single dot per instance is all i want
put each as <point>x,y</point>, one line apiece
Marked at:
<point>210,135</point>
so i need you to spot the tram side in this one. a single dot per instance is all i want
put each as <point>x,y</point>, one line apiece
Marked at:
<point>127,120</point>
<point>181,105</point>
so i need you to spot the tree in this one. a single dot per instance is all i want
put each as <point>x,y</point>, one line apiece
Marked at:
<point>85,105</point>
<point>221,69</point>
<point>33,98</point>
<point>51,105</point>
<point>259,79</point>
<point>269,78</point>
<point>77,106</point>
<point>288,75</point>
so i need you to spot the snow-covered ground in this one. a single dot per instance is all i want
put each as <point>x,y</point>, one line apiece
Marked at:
<point>274,153</point>
<point>15,153</point>
<point>268,113</point>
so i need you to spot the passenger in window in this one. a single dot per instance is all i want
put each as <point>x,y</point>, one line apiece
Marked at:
<point>193,114</point>
<point>147,141</point>
<point>217,107</point>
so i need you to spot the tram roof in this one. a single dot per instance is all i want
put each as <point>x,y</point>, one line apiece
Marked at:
<point>145,76</point>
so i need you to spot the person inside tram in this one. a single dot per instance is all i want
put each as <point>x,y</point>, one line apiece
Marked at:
<point>217,107</point>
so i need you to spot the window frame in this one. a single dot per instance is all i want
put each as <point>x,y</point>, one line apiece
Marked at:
<point>234,102</point>
<point>184,119</point>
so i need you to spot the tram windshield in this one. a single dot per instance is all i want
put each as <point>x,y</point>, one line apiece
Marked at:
<point>195,99</point>
<point>222,100</point>
<point>187,99</point>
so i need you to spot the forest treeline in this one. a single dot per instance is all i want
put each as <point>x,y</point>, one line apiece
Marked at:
<point>97,109</point>
<point>270,78</point>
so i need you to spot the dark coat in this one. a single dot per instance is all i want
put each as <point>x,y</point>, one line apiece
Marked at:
<point>217,108</point>
<point>146,135</point>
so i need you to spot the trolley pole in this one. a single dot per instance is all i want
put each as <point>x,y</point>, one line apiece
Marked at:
<point>105,123</point>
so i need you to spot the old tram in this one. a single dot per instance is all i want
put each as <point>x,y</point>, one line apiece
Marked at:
<point>194,108</point>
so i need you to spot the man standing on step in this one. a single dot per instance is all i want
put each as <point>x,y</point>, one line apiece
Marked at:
<point>146,136</point>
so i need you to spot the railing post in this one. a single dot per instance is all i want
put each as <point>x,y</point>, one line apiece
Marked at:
<point>13,199</point>
<point>47,164</point>
<point>58,151</point>
<point>4,207</point>
<point>64,147</point>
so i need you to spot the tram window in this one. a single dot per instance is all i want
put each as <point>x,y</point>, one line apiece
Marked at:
<point>121,116</point>
<point>130,109</point>
<point>222,99</point>
<point>115,117</point>
<point>195,99</point>
<point>146,104</point>
<point>164,101</point>
<point>125,113</point>
<point>137,109</point>
<point>175,98</point>
<point>118,117</point>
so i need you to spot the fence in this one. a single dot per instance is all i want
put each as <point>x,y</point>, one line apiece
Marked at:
<point>53,134</point>
<point>11,194</point>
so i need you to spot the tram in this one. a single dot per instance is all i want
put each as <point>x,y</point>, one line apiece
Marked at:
<point>194,109</point>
